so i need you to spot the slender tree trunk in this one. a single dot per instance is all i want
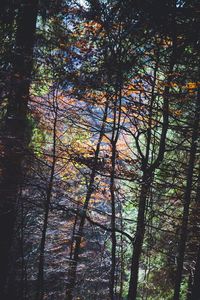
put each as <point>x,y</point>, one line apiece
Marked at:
<point>189,289</point>
<point>113,234</point>
<point>140,230</point>
<point>122,267</point>
<point>13,136</point>
<point>73,266</point>
<point>186,201</point>
<point>40,279</point>
<point>114,140</point>
<point>147,178</point>
<point>22,225</point>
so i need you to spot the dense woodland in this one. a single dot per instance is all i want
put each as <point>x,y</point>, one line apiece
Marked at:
<point>100,150</point>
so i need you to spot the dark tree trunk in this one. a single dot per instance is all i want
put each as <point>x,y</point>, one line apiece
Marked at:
<point>40,279</point>
<point>148,173</point>
<point>122,264</point>
<point>114,140</point>
<point>189,287</point>
<point>13,136</point>
<point>79,234</point>
<point>186,201</point>
<point>113,234</point>
<point>140,230</point>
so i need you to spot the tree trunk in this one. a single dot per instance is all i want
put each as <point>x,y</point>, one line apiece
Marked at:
<point>147,178</point>
<point>140,230</point>
<point>113,234</point>
<point>186,201</point>
<point>73,266</point>
<point>40,279</point>
<point>13,136</point>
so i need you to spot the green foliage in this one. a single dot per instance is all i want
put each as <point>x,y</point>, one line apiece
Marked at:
<point>38,137</point>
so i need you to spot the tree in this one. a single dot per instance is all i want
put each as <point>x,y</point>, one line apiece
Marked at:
<point>14,136</point>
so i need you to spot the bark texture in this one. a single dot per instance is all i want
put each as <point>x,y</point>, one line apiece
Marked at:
<point>13,134</point>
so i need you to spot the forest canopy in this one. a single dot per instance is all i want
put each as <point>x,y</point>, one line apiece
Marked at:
<point>100,150</point>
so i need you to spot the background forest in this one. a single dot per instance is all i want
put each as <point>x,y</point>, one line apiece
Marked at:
<point>100,150</point>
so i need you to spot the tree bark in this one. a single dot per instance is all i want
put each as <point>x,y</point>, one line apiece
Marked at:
<point>74,261</point>
<point>40,279</point>
<point>114,140</point>
<point>14,131</point>
<point>186,201</point>
<point>140,230</point>
<point>147,177</point>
